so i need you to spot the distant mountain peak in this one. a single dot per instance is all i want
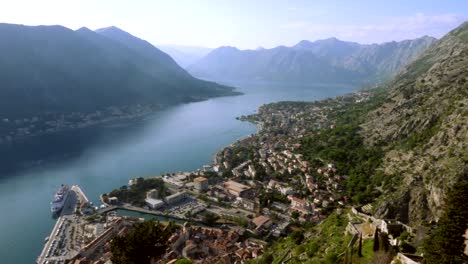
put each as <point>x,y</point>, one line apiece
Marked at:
<point>228,48</point>
<point>115,31</point>
<point>84,29</point>
<point>303,43</point>
<point>110,28</point>
<point>428,37</point>
<point>328,41</point>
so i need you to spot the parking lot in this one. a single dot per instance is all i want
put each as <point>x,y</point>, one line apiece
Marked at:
<point>188,205</point>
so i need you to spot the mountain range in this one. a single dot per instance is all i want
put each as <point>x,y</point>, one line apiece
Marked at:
<point>55,69</point>
<point>185,55</point>
<point>322,61</point>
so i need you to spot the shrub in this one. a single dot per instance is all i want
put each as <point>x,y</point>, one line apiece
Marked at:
<point>312,248</point>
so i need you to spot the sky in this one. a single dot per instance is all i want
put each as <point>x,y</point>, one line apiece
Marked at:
<point>246,24</point>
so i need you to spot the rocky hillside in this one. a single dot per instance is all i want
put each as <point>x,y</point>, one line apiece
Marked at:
<point>416,132</point>
<point>323,61</point>
<point>423,129</point>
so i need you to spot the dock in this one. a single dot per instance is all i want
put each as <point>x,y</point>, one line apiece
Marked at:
<point>56,249</point>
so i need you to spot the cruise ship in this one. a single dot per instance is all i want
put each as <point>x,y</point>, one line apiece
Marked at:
<point>59,199</point>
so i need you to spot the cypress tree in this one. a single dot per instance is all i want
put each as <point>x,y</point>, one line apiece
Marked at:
<point>384,243</point>
<point>376,240</point>
<point>360,246</point>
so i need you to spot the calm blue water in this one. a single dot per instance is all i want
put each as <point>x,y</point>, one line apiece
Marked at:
<point>180,138</point>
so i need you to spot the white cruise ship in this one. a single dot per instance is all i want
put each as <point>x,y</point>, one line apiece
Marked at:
<point>59,199</point>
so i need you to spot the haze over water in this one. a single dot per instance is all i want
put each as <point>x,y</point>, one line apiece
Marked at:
<point>180,138</point>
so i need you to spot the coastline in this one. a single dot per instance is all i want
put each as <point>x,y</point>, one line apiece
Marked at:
<point>22,164</point>
<point>139,115</point>
<point>258,125</point>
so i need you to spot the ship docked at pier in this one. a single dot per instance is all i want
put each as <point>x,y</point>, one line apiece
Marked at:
<point>59,199</point>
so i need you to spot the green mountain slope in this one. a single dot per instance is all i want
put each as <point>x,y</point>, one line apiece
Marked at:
<point>423,128</point>
<point>417,126</point>
<point>329,60</point>
<point>54,69</point>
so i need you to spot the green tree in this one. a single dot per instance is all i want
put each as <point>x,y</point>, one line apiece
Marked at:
<point>297,236</point>
<point>376,240</point>
<point>445,244</point>
<point>384,242</point>
<point>295,215</point>
<point>312,248</point>
<point>360,246</point>
<point>266,258</point>
<point>210,218</point>
<point>145,243</point>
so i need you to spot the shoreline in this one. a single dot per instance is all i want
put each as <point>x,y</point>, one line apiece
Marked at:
<point>258,126</point>
<point>26,165</point>
<point>130,117</point>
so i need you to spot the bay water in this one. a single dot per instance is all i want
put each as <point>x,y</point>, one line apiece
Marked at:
<point>105,157</point>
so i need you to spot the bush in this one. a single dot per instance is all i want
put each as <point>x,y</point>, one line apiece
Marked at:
<point>210,218</point>
<point>407,248</point>
<point>299,250</point>
<point>266,258</point>
<point>331,257</point>
<point>312,248</point>
<point>183,261</point>
<point>297,236</point>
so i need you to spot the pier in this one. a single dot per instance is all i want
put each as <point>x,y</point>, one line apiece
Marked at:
<point>57,248</point>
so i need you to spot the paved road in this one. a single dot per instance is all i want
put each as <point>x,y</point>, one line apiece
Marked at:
<point>70,203</point>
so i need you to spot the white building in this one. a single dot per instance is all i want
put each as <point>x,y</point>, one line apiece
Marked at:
<point>200,184</point>
<point>152,199</point>
<point>154,203</point>
<point>176,197</point>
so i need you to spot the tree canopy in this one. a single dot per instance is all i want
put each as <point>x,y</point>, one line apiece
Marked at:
<point>445,244</point>
<point>147,241</point>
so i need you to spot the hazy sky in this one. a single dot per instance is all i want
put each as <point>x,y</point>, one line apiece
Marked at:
<point>246,23</point>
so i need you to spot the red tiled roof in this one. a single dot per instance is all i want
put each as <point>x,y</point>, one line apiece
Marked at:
<point>297,200</point>
<point>200,179</point>
<point>261,220</point>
